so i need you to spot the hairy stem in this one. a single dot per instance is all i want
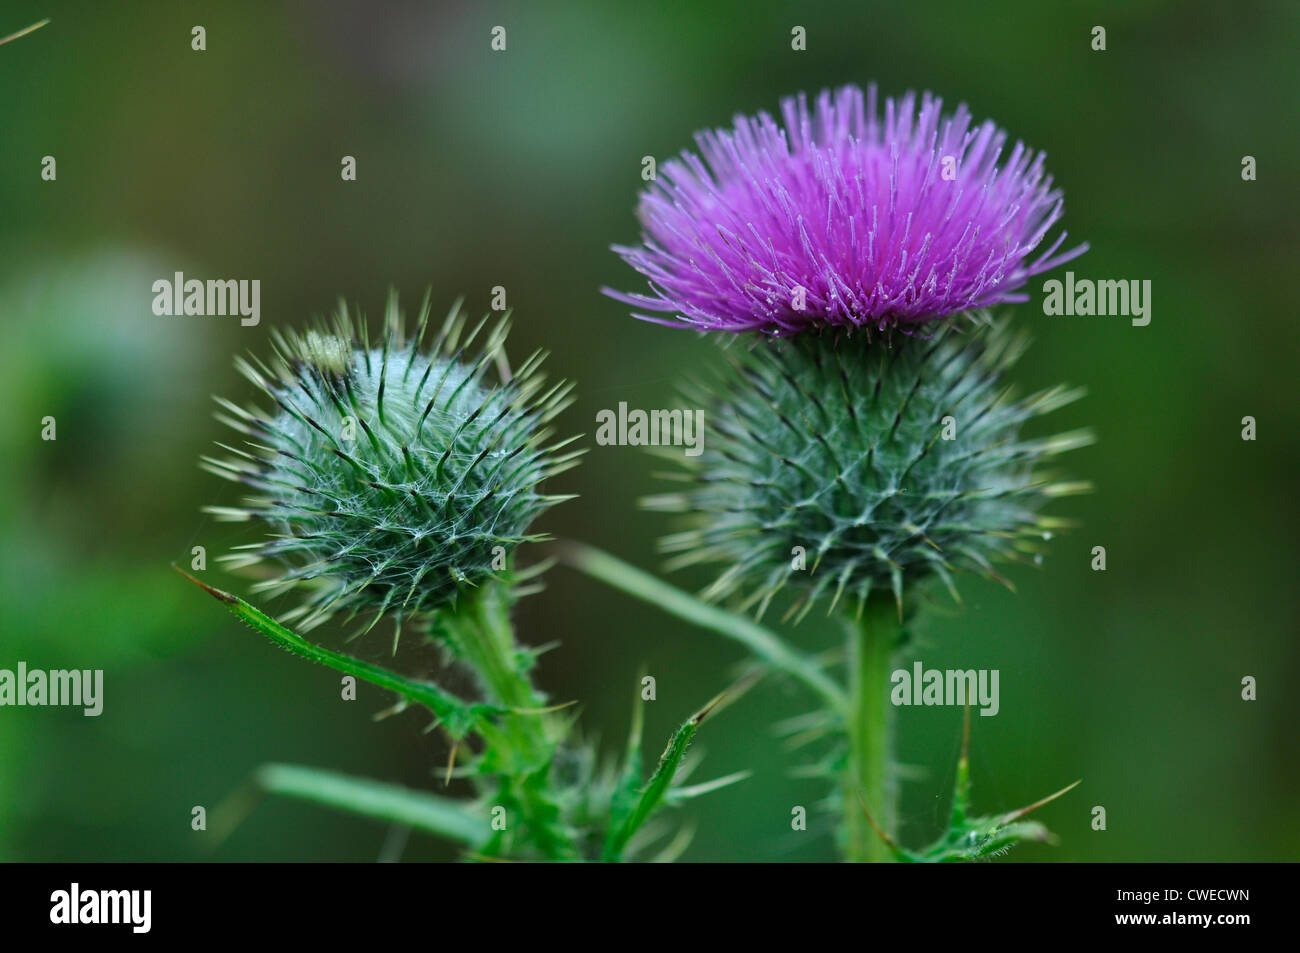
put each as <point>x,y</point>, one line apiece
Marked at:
<point>520,742</point>
<point>869,777</point>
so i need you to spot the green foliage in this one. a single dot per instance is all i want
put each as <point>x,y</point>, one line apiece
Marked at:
<point>401,481</point>
<point>456,716</point>
<point>554,805</point>
<point>824,446</point>
<point>972,838</point>
<point>818,444</point>
<point>631,806</point>
<point>440,816</point>
<point>763,644</point>
<point>513,769</point>
<point>856,472</point>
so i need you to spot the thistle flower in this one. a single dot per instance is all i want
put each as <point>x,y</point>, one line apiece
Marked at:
<point>392,478</point>
<point>844,219</point>
<point>834,468</point>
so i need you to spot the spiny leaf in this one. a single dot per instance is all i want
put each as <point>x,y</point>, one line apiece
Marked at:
<point>623,797</point>
<point>986,836</point>
<point>660,782</point>
<point>457,716</point>
<point>420,810</point>
<point>970,838</point>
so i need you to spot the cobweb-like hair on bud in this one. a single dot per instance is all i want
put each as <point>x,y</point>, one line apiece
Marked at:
<point>821,446</point>
<point>391,474</point>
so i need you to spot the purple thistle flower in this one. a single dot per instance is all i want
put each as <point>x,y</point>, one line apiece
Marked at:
<point>847,214</point>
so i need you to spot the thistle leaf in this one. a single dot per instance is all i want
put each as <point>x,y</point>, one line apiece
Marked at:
<point>457,716</point>
<point>623,798</point>
<point>420,810</point>
<point>657,789</point>
<point>762,642</point>
<point>971,838</point>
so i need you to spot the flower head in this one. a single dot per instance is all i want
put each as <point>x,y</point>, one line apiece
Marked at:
<point>844,218</point>
<point>392,477</point>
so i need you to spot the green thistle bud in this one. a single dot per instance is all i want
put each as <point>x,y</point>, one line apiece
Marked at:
<point>835,467</point>
<point>392,477</point>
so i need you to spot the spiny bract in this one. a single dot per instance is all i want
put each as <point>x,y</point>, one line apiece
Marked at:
<point>833,466</point>
<point>393,477</point>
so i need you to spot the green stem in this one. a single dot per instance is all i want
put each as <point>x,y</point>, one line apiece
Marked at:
<point>869,775</point>
<point>764,644</point>
<point>520,741</point>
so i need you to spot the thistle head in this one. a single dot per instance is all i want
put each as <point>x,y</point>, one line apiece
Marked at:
<point>835,469</point>
<point>392,475</point>
<point>844,218</point>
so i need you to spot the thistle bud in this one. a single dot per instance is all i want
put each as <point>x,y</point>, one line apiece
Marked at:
<point>392,476</point>
<point>834,467</point>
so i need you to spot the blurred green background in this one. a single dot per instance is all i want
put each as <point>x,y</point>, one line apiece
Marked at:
<point>518,169</point>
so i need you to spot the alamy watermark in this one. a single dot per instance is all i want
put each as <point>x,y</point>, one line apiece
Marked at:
<point>1085,297</point>
<point>76,906</point>
<point>922,686</point>
<point>212,298</point>
<point>655,428</point>
<point>53,687</point>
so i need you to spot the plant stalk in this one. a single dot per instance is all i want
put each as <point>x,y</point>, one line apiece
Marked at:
<point>520,740</point>
<point>869,771</point>
<point>762,643</point>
